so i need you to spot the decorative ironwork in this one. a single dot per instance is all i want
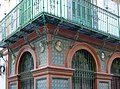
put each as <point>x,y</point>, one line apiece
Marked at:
<point>26,65</point>
<point>52,4</point>
<point>84,65</point>
<point>60,83</point>
<point>27,84</point>
<point>115,83</point>
<point>115,70</point>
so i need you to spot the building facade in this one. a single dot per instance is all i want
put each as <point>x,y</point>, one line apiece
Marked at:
<point>62,44</point>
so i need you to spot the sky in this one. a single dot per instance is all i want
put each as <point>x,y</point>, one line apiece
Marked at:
<point>5,7</point>
<point>2,9</point>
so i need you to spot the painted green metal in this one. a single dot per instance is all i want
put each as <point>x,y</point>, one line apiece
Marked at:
<point>84,65</point>
<point>25,12</point>
<point>80,12</point>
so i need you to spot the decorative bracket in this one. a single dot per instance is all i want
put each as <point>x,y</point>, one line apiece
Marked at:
<point>56,30</point>
<point>76,37</point>
<point>28,42</point>
<point>104,43</point>
<point>11,51</point>
<point>114,49</point>
<point>37,29</point>
<point>13,55</point>
<point>38,32</point>
<point>45,26</point>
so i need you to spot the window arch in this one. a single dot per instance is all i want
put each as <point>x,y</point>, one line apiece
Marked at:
<point>115,67</point>
<point>84,65</point>
<point>115,70</point>
<point>26,65</point>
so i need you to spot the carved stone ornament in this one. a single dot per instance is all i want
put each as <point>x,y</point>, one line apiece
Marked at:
<point>58,46</point>
<point>42,47</point>
<point>13,59</point>
<point>102,55</point>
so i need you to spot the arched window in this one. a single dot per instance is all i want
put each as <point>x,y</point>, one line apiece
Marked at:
<point>115,70</point>
<point>84,65</point>
<point>26,65</point>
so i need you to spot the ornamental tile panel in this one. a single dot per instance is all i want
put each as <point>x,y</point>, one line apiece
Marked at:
<point>41,50</point>
<point>41,83</point>
<point>59,83</point>
<point>58,53</point>
<point>103,85</point>
<point>12,65</point>
<point>13,61</point>
<point>103,55</point>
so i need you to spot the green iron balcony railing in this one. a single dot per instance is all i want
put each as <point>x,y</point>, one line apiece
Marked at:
<point>79,12</point>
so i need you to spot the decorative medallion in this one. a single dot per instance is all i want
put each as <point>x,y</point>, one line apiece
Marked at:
<point>58,46</point>
<point>102,55</point>
<point>42,47</point>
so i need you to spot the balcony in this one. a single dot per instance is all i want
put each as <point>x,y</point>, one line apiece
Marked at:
<point>77,16</point>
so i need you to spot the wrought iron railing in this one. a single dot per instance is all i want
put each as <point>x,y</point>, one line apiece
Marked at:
<point>81,13</point>
<point>84,65</point>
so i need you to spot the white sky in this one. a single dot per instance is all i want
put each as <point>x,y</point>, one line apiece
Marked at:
<point>6,6</point>
<point>3,8</point>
